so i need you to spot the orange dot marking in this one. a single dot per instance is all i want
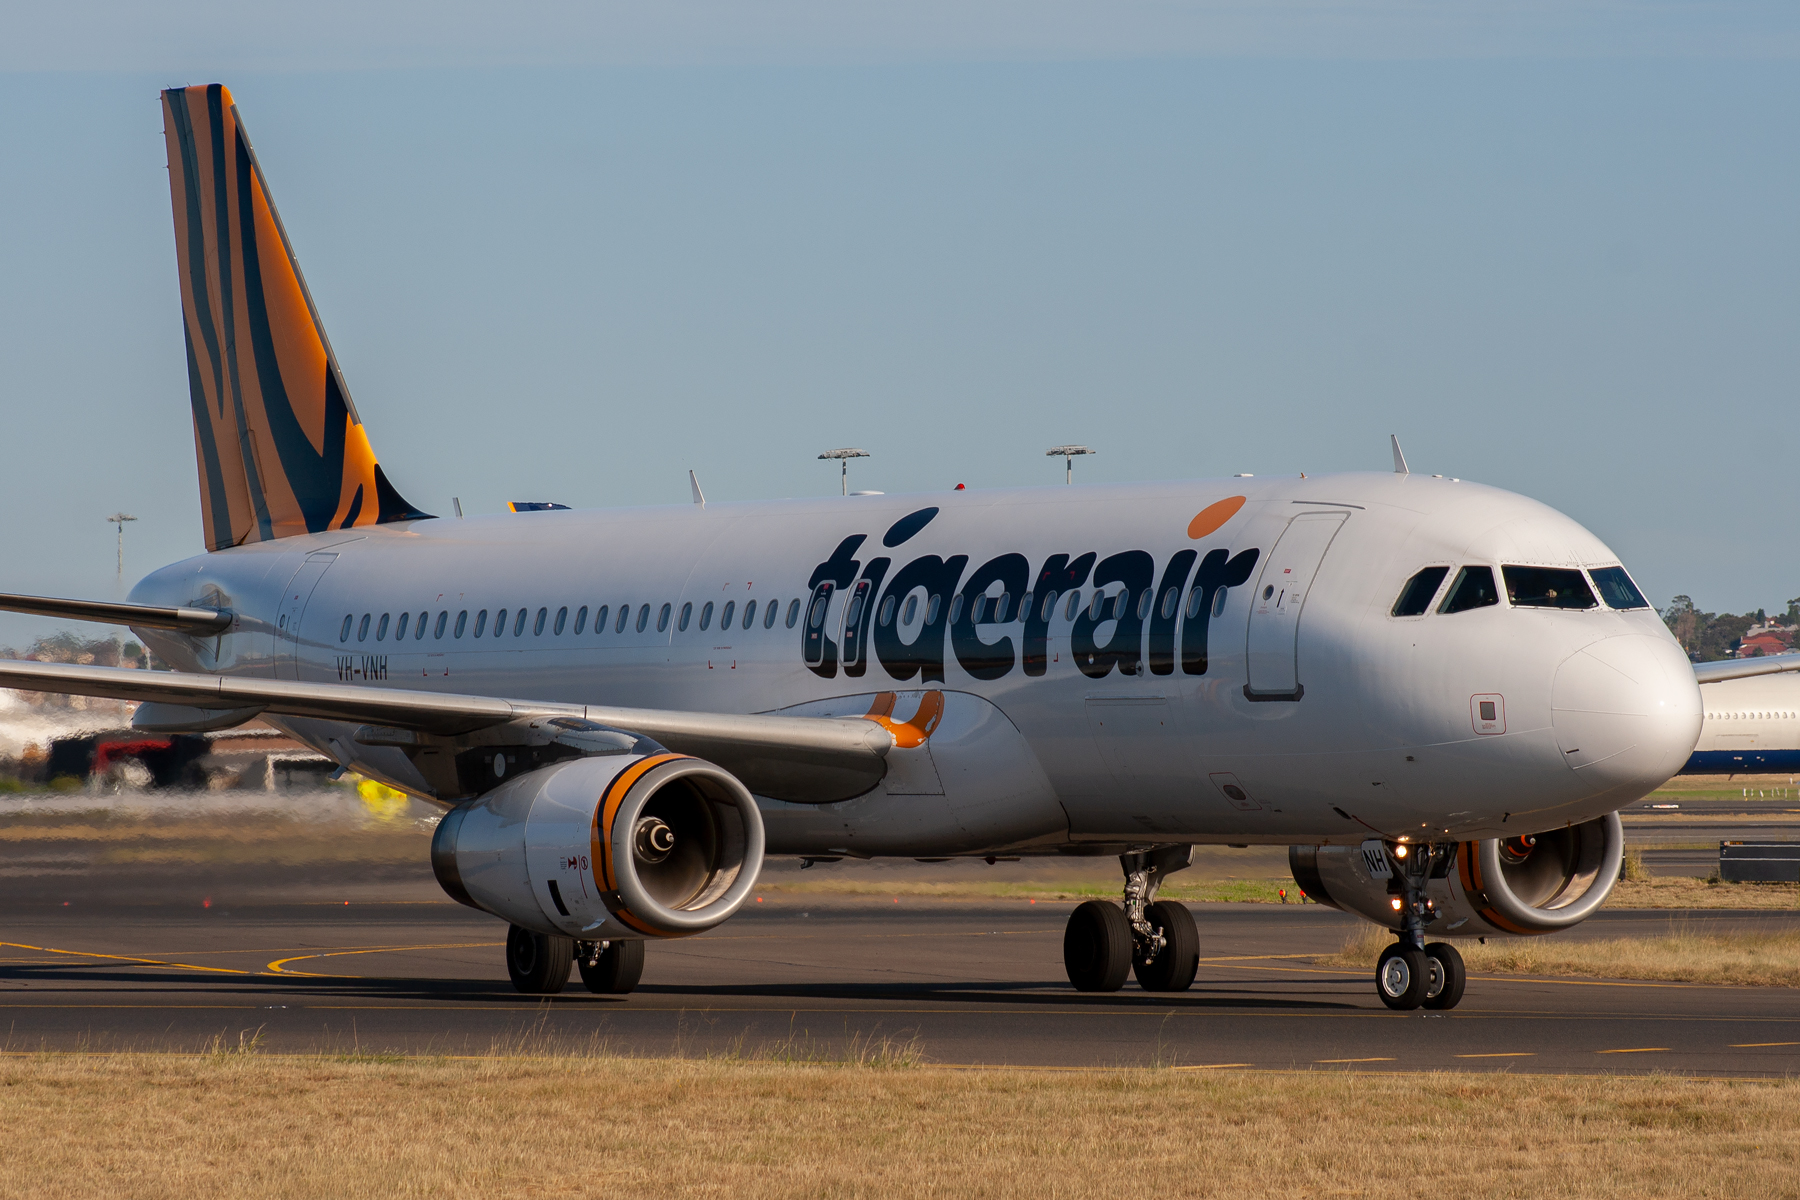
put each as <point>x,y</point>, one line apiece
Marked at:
<point>1213,516</point>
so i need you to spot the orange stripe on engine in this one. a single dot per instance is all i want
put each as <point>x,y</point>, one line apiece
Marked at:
<point>1473,887</point>
<point>600,850</point>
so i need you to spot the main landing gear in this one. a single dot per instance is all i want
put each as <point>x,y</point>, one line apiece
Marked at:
<point>1154,939</point>
<point>539,963</point>
<point>1414,973</point>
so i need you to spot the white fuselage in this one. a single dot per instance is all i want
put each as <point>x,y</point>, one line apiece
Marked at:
<point>1311,716</point>
<point>1751,726</point>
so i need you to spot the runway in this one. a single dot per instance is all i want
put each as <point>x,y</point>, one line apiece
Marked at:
<point>967,983</point>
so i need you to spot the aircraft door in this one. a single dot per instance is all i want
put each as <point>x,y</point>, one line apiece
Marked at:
<point>1287,576</point>
<point>293,608</point>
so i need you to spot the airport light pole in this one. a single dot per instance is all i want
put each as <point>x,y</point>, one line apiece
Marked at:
<point>844,456</point>
<point>119,520</point>
<point>1069,454</point>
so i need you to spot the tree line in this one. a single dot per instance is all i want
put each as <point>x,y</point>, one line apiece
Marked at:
<point>1710,636</point>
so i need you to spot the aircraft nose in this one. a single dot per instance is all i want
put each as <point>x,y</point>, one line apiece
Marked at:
<point>1626,711</point>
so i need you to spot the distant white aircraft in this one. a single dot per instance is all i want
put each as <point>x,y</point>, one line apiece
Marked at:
<point>1751,724</point>
<point>1437,693</point>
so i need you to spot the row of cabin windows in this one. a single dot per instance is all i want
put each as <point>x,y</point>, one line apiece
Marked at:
<point>378,626</point>
<point>1526,587</point>
<point>1749,716</point>
<point>1004,608</point>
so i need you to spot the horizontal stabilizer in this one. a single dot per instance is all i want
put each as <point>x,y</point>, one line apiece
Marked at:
<point>201,622</point>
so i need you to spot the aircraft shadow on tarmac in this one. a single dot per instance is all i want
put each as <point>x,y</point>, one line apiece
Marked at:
<point>140,979</point>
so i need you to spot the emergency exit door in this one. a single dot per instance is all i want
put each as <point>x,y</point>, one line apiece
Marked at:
<point>293,608</point>
<point>1275,606</point>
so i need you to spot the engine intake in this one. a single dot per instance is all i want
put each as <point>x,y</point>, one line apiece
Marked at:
<point>1517,886</point>
<point>608,847</point>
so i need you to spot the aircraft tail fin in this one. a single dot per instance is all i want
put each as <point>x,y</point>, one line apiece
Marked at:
<point>281,450</point>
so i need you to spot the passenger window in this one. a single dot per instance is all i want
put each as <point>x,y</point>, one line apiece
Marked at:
<point>1617,589</point>
<point>1474,588</point>
<point>400,629</point>
<point>362,630</point>
<point>956,607</point>
<point>537,628</point>
<point>1547,587</point>
<point>1097,607</point>
<point>419,626</point>
<point>480,623</point>
<point>725,617</point>
<point>1193,604</point>
<point>687,614</point>
<point>816,617</point>
<point>344,633</point>
<point>643,621</point>
<point>1219,598</point>
<point>749,614</point>
<point>1168,604</point>
<point>912,610</point>
<point>662,619</point>
<point>519,623</point>
<point>793,612</point>
<point>562,618</point>
<point>381,628</point>
<point>600,619</point>
<point>500,622</point>
<point>462,621</point>
<point>931,610</point>
<point>1048,608</point>
<point>1415,597</point>
<point>706,612</point>
<point>624,615</point>
<point>581,620</point>
<point>443,619</point>
<point>1144,604</point>
<point>884,618</point>
<point>770,614</point>
<point>1074,603</point>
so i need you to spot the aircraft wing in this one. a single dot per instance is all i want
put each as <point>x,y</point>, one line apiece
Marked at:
<point>1744,668</point>
<point>801,758</point>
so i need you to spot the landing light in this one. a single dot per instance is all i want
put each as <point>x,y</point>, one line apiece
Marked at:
<point>1396,903</point>
<point>1400,850</point>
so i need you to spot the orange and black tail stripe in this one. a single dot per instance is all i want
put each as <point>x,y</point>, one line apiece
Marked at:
<point>280,448</point>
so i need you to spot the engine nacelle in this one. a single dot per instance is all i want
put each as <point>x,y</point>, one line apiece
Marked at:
<point>1517,886</point>
<point>622,846</point>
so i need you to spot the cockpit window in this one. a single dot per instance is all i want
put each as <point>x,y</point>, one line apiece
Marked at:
<point>1617,589</point>
<point>1416,596</point>
<point>1547,587</point>
<point>1474,588</point>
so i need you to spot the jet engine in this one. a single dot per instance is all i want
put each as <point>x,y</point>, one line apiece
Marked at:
<point>1507,886</point>
<point>619,846</point>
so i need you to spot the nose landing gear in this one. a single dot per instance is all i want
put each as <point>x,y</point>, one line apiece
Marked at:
<point>1414,973</point>
<point>1155,939</point>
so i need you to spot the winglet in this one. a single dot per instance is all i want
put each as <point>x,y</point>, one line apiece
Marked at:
<point>1399,458</point>
<point>694,482</point>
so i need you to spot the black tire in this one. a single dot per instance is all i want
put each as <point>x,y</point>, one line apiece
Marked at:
<point>538,963</point>
<point>616,971</point>
<point>1401,976</point>
<point>1097,947</point>
<point>1448,975</point>
<point>1174,969</point>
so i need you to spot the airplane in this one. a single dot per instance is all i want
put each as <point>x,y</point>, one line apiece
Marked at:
<point>1751,725</point>
<point>1436,693</point>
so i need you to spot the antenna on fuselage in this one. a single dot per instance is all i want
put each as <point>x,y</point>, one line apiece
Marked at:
<point>694,482</point>
<point>1399,458</point>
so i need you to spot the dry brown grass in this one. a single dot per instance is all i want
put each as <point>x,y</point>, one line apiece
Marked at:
<point>1687,891</point>
<point>1688,953</point>
<point>248,1126</point>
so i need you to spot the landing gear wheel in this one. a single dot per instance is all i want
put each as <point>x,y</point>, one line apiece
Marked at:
<point>615,971</point>
<point>1173,970</point>
<point>1401,976</point>
<point>1097,947</point>
<point>1447,975</point>
<point>538,963</point>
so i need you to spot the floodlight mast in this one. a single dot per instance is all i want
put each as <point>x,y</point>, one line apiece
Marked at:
<point>119,519</point>
<point>1069,454</point>
<point>844,456</point>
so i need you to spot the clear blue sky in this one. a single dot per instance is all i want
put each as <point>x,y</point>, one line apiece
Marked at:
<point>570,251</point>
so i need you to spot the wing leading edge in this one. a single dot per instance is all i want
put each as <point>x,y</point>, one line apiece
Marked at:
<point>807,759</point>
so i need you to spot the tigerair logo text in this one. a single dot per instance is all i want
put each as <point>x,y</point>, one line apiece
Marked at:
<point>1133,619</point>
